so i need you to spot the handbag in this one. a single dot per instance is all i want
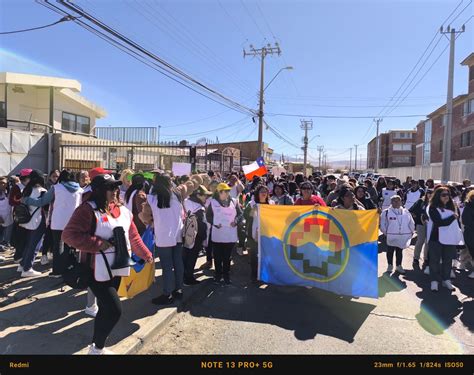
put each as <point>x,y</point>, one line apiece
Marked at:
<point>77,275</point>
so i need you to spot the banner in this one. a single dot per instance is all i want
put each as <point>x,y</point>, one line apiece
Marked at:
<point>331,249</point>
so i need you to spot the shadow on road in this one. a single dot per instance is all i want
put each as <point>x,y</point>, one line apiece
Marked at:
<point>307,312</point>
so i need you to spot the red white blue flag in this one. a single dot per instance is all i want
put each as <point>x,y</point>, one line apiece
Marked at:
<point>257,168</point>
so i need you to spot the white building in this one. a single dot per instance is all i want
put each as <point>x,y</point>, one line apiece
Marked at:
<point>49,100</point>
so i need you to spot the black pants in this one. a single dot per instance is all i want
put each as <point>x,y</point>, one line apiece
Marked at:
<point>222,252</point>
<point>47,241</point>
<point>242,235</point>
<point>59,256</point>
<point>18,241</point>
<point>110,309</point>
<point>398,256</point>
<point>253,252</point>
<point>209,252</point>
<point>189,259</point>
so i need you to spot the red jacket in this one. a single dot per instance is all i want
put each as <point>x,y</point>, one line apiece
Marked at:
<point>78,233</point>
<point>310,202</point>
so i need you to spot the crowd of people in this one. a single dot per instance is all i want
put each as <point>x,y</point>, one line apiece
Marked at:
<point>90,213</point>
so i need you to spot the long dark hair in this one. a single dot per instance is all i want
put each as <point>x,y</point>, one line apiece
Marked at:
<point>99,197</point>
<point>162,188</point>
<point>66,175</point>
<point>381,183</point>
<point>256,194</point>
<point>436,198</point>
<point>138,183</point>
<point>36,178</point>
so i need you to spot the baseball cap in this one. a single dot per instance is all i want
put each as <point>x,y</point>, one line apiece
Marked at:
<point>222,187</point>
<point>97,171</point>
<point>104,180</point>
<point>25,172</point>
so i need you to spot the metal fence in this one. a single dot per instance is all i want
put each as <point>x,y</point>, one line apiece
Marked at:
<point>117,157</point>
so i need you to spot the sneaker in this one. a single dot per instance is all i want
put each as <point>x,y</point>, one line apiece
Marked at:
<point>54,275</point>
<point>447,284</point>
<point>416,264</point>
<point>390,268</point>
<point>240,251</point>
<point>178,294</point>
<point>400,270</point>
<point>2,259</point>
<point>30,273</point>
<point>50,257</point>
<point>191,282</point>
<point>434,286</point>
<point>17,261</point>
<point>471,275</point>
<point>163,300</point>
<point>93,350</point>
<point>20,268</point>
<point>44,260</point>
<point>92,310</point>
<point>217,280</point>
<point>427,270</point>
<point>452,275</point>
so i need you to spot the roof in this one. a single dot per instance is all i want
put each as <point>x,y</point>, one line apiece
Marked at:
<point>34,80</point>
<point>458,99</point>
<point>402,130</point>
<point>469,61</point>
<point>67,87</point>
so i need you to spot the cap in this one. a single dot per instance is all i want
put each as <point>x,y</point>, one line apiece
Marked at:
<point>223,187</point>
<point>396,196</point>
<point>201,190</point>
<point>97,171</point>
<point>25,172</point>
<point>104,180</point>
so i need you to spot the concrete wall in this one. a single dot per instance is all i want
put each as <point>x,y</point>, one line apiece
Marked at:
<point>20,149</point>
<point>459,171</point>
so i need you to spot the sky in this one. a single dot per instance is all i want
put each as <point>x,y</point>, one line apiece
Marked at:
<point>349,58</point>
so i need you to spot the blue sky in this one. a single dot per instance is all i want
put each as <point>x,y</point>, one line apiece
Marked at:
<point>349,58</point>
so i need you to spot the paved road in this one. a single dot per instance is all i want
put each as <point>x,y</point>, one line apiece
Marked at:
<point>407,318</point>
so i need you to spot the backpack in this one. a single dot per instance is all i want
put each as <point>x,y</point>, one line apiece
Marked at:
<point>22,215</point>
<point>190,230</point>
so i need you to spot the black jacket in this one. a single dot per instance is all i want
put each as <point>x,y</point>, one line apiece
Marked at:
<point>418,210</point>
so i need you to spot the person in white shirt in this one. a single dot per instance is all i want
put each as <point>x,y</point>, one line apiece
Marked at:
<point>444,234</point>
<point>387,193</point>
<point>398,226</point>
<point>36,227</point>
<point>168,215</point>
<point>413,194</point>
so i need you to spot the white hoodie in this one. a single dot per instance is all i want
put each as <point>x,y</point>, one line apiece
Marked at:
<point>398,225</point>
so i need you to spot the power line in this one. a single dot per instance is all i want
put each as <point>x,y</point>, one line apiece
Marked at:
<point>195,121</point>
<point>64,19</point>
<point>335,116</point>
<point>207,131</point>
<point>161,65</point>
<point>253,19</point>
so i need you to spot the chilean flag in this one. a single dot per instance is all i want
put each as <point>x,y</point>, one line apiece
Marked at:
<point>257,168</point>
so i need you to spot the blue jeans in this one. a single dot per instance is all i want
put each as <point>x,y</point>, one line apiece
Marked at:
<point>6,234</point>
<point>33,237</point>
<point>171,259</point>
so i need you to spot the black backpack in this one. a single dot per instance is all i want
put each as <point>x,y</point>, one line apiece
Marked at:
<point>22,215</point>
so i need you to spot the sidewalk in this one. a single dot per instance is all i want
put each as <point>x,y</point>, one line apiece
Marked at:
<point>42,316</point>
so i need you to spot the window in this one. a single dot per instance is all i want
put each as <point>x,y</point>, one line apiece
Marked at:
<point>441,145</point>
<point>402,147</point>
<point>427,143</point>
<point>3,120</point>
<point>467,139</point>
<point>468,107</point>
<point>76,123</point>
<point>401,159</point>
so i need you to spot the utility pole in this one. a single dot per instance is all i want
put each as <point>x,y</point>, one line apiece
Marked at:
<point>320,150</point>
<point>445,171</point>
<point>263,52</point>
<point>159,128</point>
<point>350,160</point>
<point>355,159</point>
<point>377,145</point>
<point>306,125</point>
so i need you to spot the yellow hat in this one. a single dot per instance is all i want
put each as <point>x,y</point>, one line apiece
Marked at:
<point>222,187</point>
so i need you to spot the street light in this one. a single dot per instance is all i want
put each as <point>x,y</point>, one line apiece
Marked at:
<point>285,68</point>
